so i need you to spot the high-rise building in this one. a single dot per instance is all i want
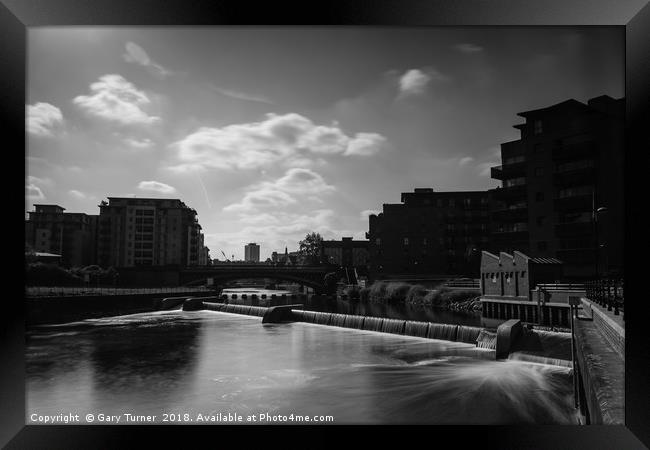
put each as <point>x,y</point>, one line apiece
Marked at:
<point>149,232</point>
<point>433,233</point>
<point>252,252</point>
<point>562,187</point>
<point>49,229</point>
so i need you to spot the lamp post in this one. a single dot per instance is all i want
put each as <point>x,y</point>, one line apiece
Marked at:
<point>595,213</point>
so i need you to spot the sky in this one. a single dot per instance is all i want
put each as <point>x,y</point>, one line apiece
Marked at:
<point>272,133</point>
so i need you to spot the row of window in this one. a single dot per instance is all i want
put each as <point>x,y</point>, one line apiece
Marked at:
<point>506,275</point>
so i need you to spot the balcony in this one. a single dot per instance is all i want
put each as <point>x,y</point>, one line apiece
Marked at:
<point>574,229</point>
<point>510,214</point>
<point>575,203</point>
<point>576,177</point>
<point>506,171</point>
<point>574,151</point>
<point>510,193</point>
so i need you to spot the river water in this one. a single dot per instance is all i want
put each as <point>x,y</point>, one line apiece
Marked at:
<point>215,364</point>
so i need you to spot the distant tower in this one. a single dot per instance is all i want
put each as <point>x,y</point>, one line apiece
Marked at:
<point>252,252</point>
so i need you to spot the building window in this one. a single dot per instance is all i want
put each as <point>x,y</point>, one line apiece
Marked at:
<point>537,149</point>
<point>539,196</point>
<point>539,171</point>
<point>424,241</point>
<point>537,127</point>
<point>406,241</point>
<point>523,274</point>
<point>541,245</point>
<point>378,242</point>
<point>540,220</point>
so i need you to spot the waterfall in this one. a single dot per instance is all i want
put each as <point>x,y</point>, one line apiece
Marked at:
<point>354,321</point>
<point>467,334</point>
<point>418,329</point>
<point>257,311</point>
<point>323,318</point>
<point>308,316</point>
<point>373,323</point>
<point>214,306</point>
<point>443,331</point>
<point>394,326</point>
<point>337,320</point>
<point>487,339</point>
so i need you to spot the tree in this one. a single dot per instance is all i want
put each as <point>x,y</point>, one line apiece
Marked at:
<point>309,249</point>
<point>331,280</point>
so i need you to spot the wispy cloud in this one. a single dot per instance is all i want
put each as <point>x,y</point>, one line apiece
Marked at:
<point>368,212</point>
<point>240,95</point>
<point>465,160</point>
<point>468,48</point>
<point>136,54</point>
<point>43,118</point>
<point>77,194</point>
<point>139,143</point>
<point>156,186</point>
<point>116,99</point>
<point>33,192</point>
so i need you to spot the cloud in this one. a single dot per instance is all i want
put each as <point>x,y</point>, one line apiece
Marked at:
<point>141,143</point>
<point>77,194</point>
<point>296,182</point>
<point>484,169</point>
<point>43,118</point>
<point>156,186</point>
<point>33,192</point>
<point>276,139</point>
<point>114,98</point>
<point>367,213</point>
<point>468,48</point>
<point>241,95</point>
<point>416,81</point>
<point>465,160</point>
<point>365,144</point>
<point>136,54</point>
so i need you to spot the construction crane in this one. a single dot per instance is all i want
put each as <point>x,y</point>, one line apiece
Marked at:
<point>224,255</point>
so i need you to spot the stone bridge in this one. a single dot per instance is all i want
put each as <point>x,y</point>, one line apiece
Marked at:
<point>311,276</point>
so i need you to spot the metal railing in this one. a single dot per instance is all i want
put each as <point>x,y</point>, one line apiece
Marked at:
<point>60,291</point>
<point>607,292</point>
<point>562,286</point>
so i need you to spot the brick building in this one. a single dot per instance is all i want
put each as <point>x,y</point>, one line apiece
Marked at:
<point>562,187</point>
<point>149,232</point>
<point>48,229</point>
<point>346,253</point>
<point>432,233</point>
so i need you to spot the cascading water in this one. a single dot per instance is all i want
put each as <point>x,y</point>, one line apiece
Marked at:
<point>418,329</point>
<point>486,339</point>
<point>467,334</point>
<point>322,318</point>
<point>373,323</point>
<point>393,326</point>
<point>443,331</point>
<point>353,321</point>
<point>337,320</point>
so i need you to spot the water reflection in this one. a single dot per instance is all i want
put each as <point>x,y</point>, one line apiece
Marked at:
<point>211,362</point>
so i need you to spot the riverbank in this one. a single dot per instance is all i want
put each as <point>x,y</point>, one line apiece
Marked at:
<point>462,300</point>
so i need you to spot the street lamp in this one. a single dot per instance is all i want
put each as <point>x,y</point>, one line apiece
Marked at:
<point>595,213</point>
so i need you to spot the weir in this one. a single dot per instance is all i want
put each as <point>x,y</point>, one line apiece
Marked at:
<point>510,341</point>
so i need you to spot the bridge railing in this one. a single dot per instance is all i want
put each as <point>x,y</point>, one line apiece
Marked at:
<point>562,286</point>
<point>60,291</point>
<point>607,292</point>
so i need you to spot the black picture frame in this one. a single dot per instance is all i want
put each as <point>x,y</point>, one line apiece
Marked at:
<point>17,15</point>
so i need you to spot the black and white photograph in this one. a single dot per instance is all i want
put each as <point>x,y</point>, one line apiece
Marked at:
<point>311,225</point>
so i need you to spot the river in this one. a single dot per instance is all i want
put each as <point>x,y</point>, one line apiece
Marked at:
<point>211,363</point>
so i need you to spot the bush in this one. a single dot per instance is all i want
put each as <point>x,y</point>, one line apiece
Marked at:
<point>353,292</point>
<point>364,294</point>
<point>331,279</point>
<point>41,274</point>
<point>416,294</point>
<point>443,297</point>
